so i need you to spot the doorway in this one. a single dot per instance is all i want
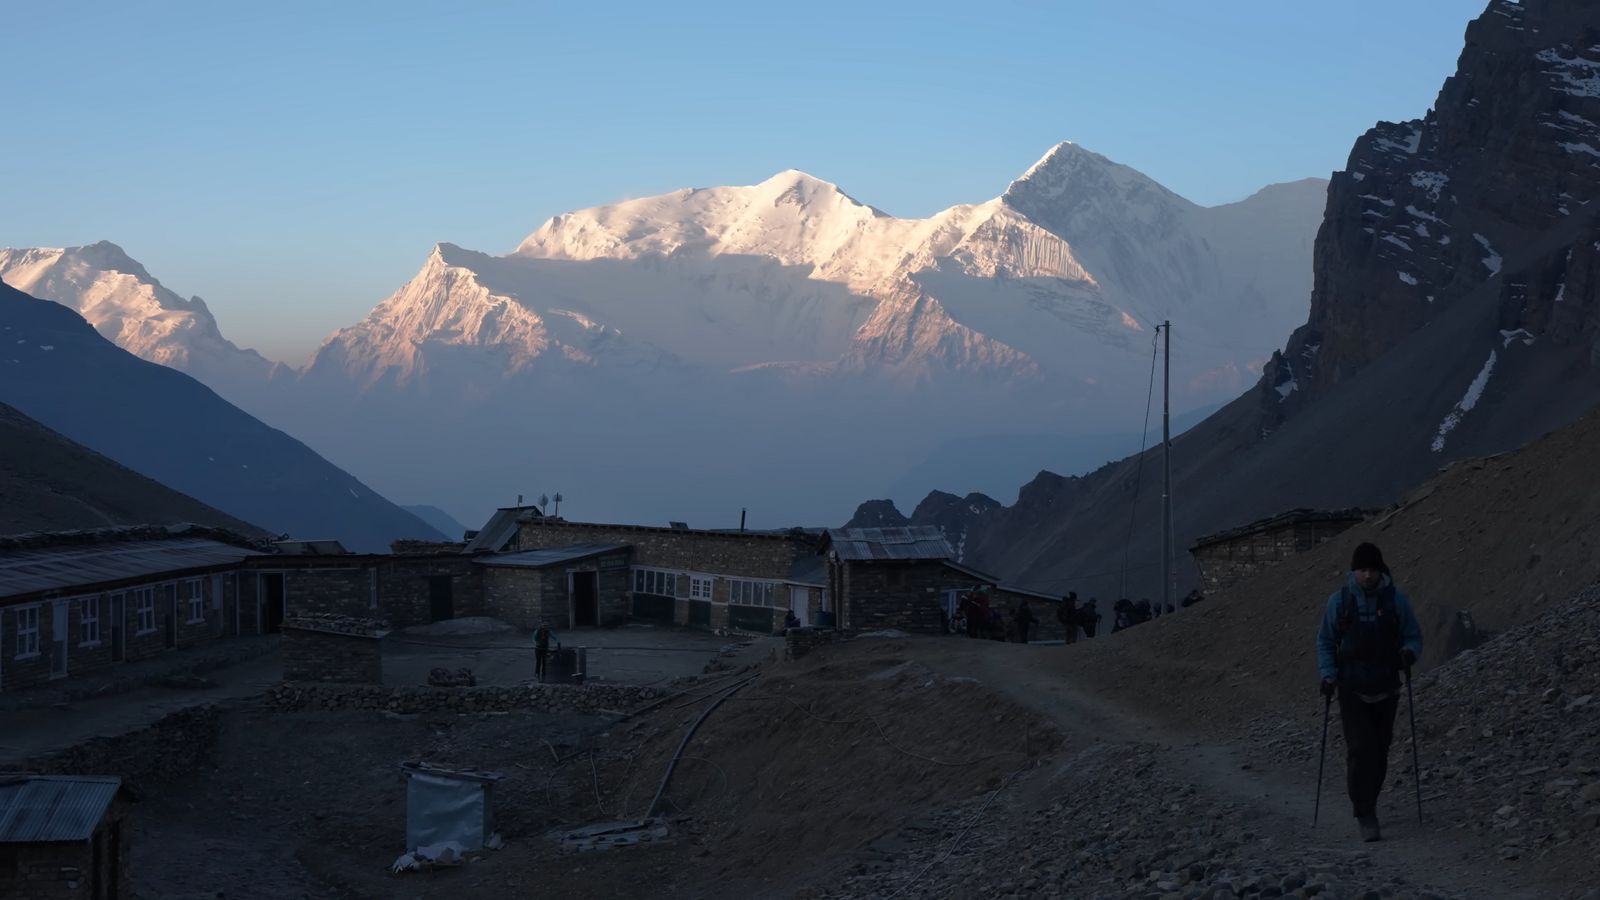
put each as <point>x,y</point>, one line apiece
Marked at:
<point>441,598</point>
<point>800,602</point>
<point>269,602</point>
<point>585,588</point>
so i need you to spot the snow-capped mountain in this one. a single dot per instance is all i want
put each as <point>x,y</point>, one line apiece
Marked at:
<point>133,310</point>
<point>781,317</point>
<point>1057,282</point>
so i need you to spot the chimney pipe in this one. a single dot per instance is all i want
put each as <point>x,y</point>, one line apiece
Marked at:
<point>741,518</point>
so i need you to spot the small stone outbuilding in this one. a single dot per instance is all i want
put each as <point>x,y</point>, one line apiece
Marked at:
<point>1228,556</point>
<point>889,578</point>
<point>328,647</point>
<point>580,585</point>
<point>63,837</point>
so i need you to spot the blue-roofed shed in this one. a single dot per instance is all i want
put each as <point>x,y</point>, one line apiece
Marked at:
<point>63,836</point>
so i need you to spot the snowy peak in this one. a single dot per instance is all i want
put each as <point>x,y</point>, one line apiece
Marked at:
<point>133,310</point>
<point>1070,177</point>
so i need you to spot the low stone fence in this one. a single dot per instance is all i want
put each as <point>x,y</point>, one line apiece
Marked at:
<point>588,698</point>
<point>174,745</point>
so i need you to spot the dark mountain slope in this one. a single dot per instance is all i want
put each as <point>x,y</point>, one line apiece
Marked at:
<point>163,424</point>
<point>48,483</point>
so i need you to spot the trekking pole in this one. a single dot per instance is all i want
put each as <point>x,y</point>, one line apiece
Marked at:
<point>1322,759</point>
<point>1416,766</point>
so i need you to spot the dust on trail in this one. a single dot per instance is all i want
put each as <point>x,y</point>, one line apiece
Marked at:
<point>1278,802</point>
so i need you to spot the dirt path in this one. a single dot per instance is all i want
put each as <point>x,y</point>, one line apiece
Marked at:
<point>1280,803</point>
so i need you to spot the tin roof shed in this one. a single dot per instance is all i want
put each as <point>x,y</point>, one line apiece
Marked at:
<point>49,808</point>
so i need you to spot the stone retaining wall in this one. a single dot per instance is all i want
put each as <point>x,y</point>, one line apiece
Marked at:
<point>292,696</point>
<point>174,745</point>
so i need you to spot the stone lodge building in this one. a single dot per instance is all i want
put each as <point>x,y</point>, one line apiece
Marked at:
<point>1227,556</point>
<point>83,601</point>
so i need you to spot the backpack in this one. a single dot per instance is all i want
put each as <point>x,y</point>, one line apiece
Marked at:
<point>1368,653</point>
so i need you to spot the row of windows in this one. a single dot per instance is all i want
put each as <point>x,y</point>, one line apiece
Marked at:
<point>741,591</point>
<point>143,601</point>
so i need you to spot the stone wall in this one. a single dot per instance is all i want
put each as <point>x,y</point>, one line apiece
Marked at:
<point>173,746</point>
<point>403,597</point>
<point>738,554</point>
<point>312,654</point>
<point>1224,563</point>
<point>345,590</point>
<point>801,641</point>
<point>516,595</point>
<point>292,696</point>
<point>896,594</point>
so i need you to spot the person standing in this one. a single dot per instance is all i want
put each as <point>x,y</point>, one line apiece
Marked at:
<point>1024,621</point>
<point>1369,635</point>
<point>1067,615</point>
<point>541,648</point>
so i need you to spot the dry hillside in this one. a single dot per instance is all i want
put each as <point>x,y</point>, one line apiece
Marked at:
<point>1506,538</point>
<point>49,483</point>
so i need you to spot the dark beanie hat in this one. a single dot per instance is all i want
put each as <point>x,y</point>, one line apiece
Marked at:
<point>1367,556</point>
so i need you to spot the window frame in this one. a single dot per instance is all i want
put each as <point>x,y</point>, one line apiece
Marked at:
<point>753,593</point>
<point>27,632</point>
<point>702,587</point>
<point>644,578</point>
<point>197,601</point>
<point>144,600</point>
<point>86,605</point>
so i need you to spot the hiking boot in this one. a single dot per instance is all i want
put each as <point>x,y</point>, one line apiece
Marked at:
<point>1369,828</point>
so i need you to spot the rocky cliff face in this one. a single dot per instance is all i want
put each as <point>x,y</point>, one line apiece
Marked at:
<point>1428,210</point>
<point>1453,314</point>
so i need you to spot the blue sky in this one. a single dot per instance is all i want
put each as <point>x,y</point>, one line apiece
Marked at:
<point>294,163</point>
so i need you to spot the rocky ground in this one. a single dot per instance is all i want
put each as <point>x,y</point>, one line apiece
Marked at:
<point>920,767</point>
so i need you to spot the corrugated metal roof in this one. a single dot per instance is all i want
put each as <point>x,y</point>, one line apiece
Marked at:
<point>538,559</point>
<point>62,568</point>
<point>501,527</point>
<point>913,542</point>
<point>37,808</point>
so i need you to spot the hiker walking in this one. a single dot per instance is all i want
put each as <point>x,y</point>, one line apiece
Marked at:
<point>541,648</point>
<point>1067,615</point>
<point>1369,634</point>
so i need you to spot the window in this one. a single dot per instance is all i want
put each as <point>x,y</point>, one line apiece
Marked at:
<point>699,588</point>
<point>144,603</point>
<point>653,581</point>
<point>197,602</point>
<point>27,632</point>
<point>750,593</point>
<point>89,617</point>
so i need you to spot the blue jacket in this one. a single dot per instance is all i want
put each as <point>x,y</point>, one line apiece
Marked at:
<point>1366,606</point>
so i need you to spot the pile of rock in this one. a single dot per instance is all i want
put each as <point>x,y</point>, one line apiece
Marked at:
<point>442,677</point>
<point>290,696</point>
<point>338,624</point>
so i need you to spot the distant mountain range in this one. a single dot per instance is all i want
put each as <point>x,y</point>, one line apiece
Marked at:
<point>781,346</point>
<point>165,425</point>
<point>1457,274</point>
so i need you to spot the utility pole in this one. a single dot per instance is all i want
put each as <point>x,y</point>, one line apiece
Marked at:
<point>1166,465</point>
